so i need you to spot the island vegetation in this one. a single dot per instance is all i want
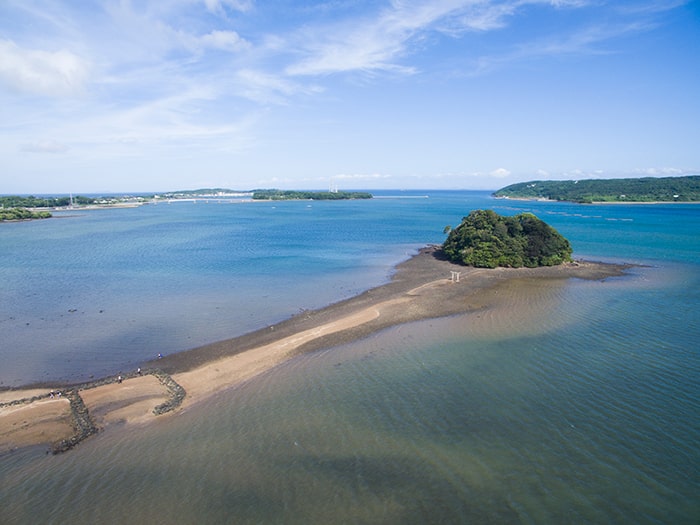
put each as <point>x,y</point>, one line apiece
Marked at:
<point>16,201</point>
<point>277,195</point>
<point>202,192</point>
<point>22,214</point>
<point>34,203</point>
<point>646,189</point>
<point>79,201</point>
<point>486,239</point>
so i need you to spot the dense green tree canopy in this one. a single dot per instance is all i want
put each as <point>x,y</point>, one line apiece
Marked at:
<point>486,240</point>
<point>646,189</point>
<point>14,201</point>
<point>21,214</point>
<point>309,195</point>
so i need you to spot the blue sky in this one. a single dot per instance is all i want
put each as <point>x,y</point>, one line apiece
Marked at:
<point>155,95</point>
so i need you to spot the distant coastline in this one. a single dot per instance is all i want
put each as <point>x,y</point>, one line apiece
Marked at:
<point>596,191</point>
<point>17,207</point>
<point>543,199</point>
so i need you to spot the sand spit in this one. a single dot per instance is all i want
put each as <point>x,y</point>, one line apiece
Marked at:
<point>425,286</point>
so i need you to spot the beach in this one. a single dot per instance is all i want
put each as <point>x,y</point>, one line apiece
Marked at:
<point>424,286</point>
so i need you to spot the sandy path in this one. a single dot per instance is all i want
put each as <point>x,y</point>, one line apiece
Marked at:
<point>229,371</point>
<point>131,401</point>
<point>40,422</point>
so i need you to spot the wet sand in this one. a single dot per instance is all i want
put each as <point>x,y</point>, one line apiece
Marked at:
<point>422,287</point>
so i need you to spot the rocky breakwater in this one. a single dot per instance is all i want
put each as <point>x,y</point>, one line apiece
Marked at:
<point>177,393</point>
<point>83,424</point>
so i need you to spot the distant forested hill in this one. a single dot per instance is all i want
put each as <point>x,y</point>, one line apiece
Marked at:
<point>647,189</point>
<point>277,195</point>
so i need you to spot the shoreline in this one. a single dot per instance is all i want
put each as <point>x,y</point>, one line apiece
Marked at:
<point>422,287</point>
<point>543,199</point>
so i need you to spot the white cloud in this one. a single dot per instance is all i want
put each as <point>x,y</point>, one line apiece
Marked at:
<point>218,6</point>
<point>479,16</point>
<point>368,44</point>
<point>499,173</point>
<point>366,49</point>
<point>172,119</point>
<point>267,88</point>
<point>379,43</point>
<point>589,39</point>
<point>664,171</point>
<point>653,6</point>
<point>196,78</point>
<point>225,41</point>
<point>49,73</point>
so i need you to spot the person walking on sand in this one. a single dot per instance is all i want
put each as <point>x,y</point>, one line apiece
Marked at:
<point>119,379</point>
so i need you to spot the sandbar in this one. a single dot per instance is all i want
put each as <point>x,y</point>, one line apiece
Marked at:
<point>422,287</point>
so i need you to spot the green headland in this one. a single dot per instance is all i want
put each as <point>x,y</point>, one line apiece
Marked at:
<point>647,189</point>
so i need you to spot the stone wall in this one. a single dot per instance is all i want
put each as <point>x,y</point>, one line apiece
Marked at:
<point>82,422</point>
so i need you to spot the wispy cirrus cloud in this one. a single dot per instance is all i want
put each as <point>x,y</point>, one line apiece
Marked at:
<point>268,88</point>
<point>591,37</point>
<point>123,79</point>
<point>220,6</point>
<point>388,40</point>
<point>590,40</point>
<point>385,39</point>
<point>375,42</point>
<point>382,42</point>
<point>651,7</point>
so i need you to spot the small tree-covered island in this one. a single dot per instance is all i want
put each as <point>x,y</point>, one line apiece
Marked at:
<point>282,195</point>
<point>486,239</point>
<point>22,214</point>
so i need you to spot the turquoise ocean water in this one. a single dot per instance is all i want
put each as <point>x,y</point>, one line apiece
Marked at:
<point>584,411</point>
